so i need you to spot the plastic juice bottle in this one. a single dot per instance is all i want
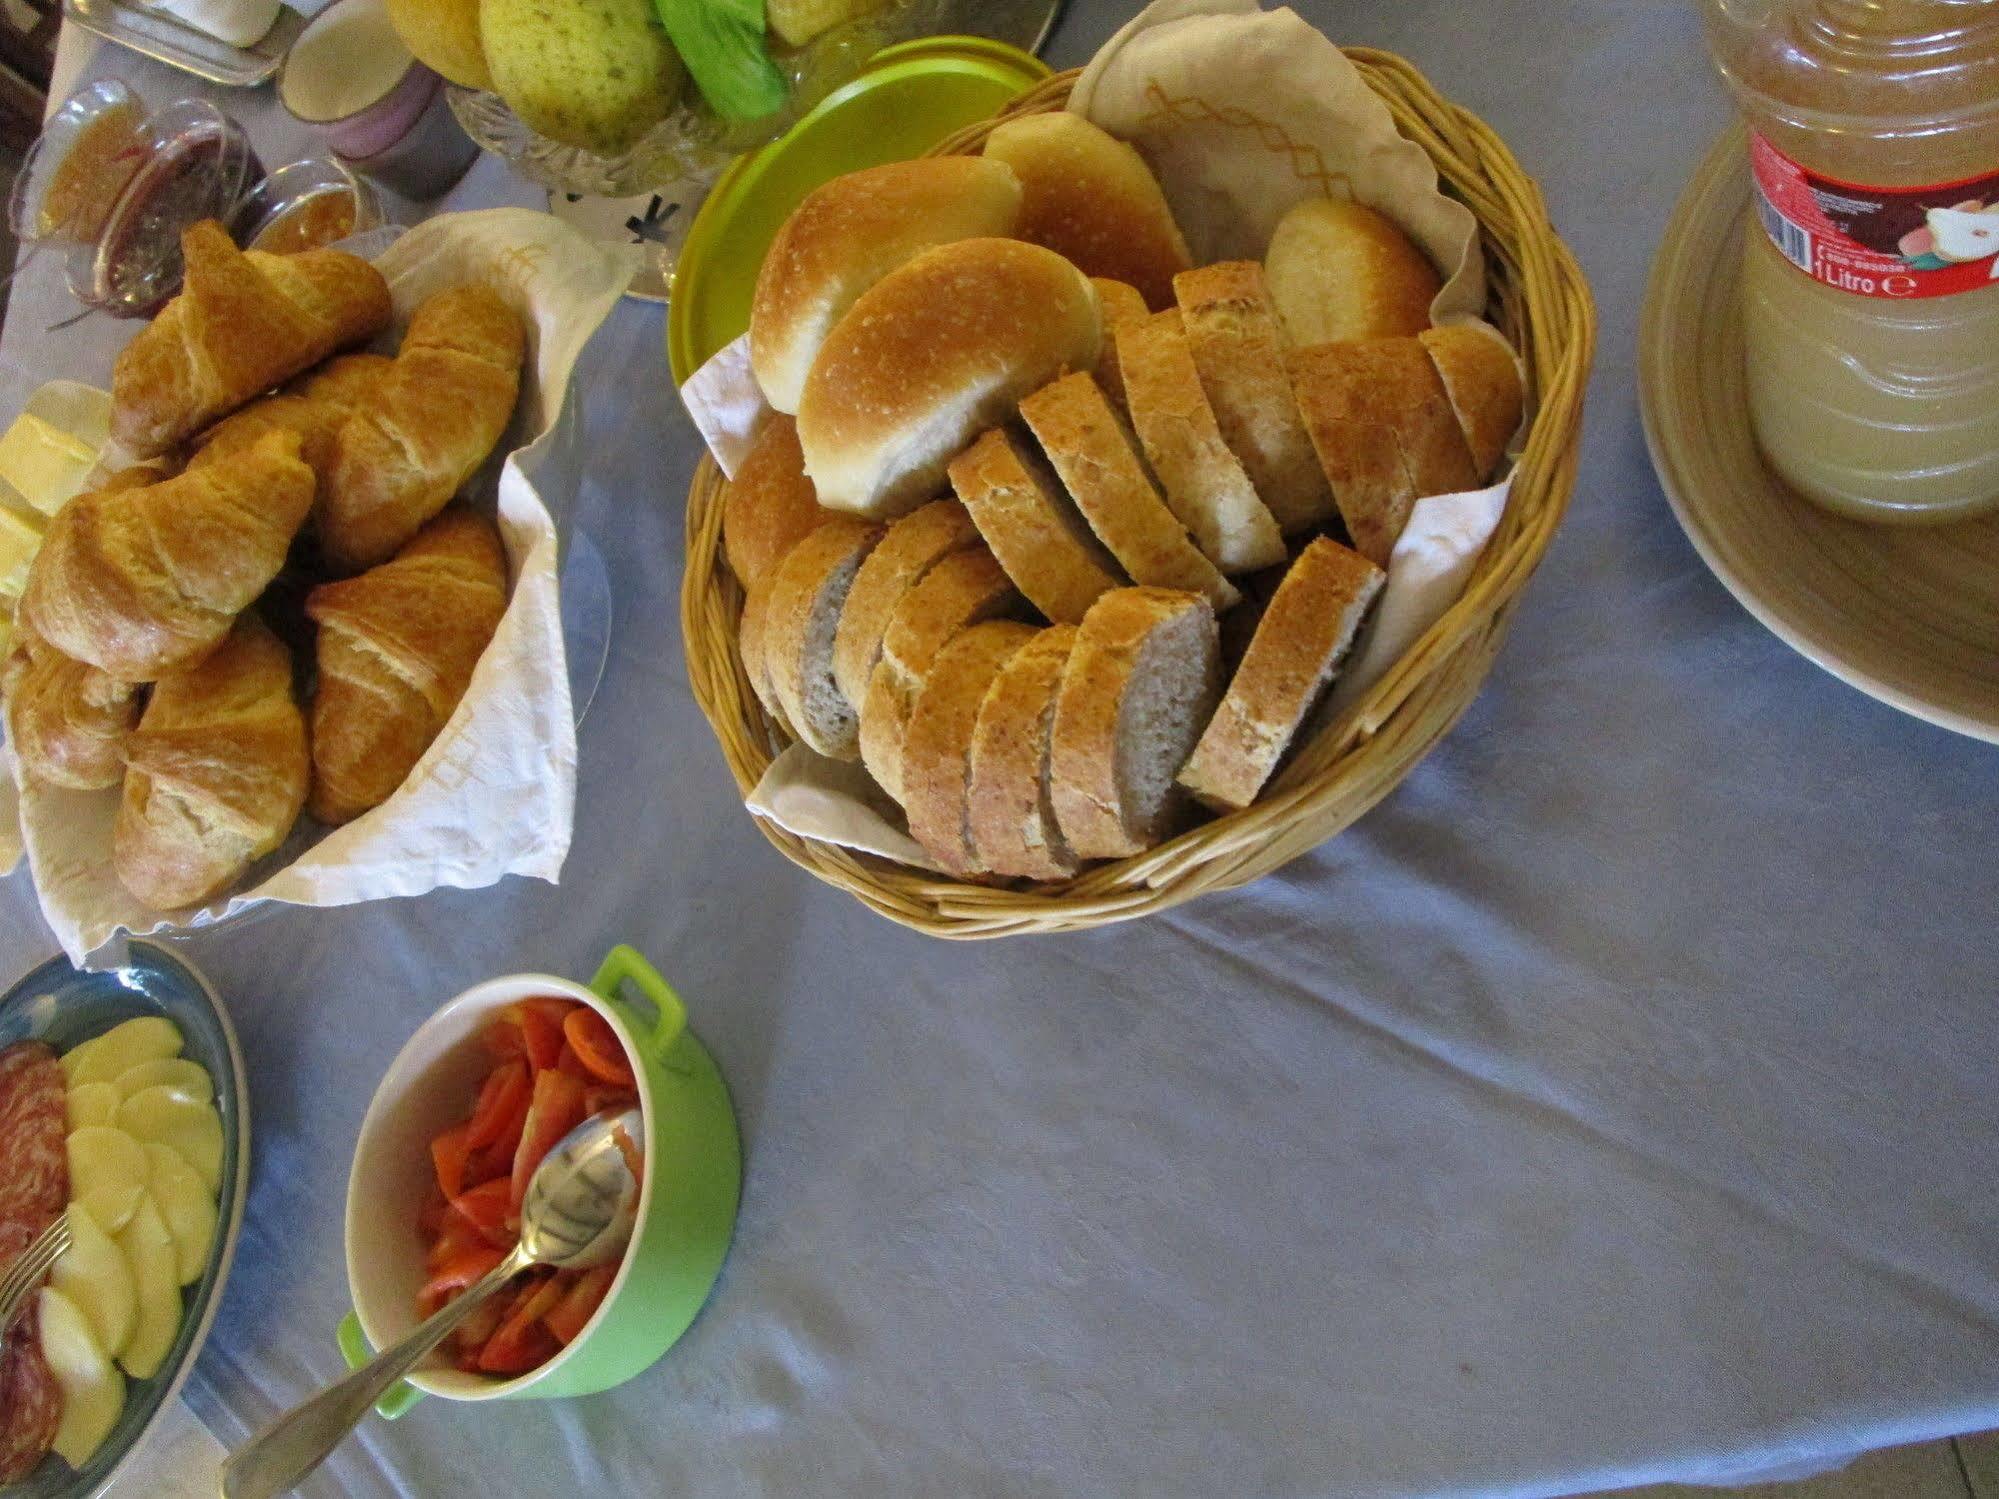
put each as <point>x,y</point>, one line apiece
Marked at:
<point>1870,292</point>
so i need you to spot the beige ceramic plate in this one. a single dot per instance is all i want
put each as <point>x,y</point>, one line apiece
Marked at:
<point>1907,615</point>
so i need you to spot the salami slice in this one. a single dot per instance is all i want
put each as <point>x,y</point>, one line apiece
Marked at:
<point>34,1186</point>
<point>34,1171</point>
<point>30,1401</point>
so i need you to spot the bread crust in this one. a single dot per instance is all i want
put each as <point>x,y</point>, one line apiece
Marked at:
<point>769,506</point>
<point>1238,347</point>
<point>1206,486</point>
<point>913,545</point>
<point>1482,379</point>
<point>1305,633</point>
<point>1096,456</point>
<point>1339,271</point>
<point>1033,529</point>
<point>937,749</point>
<point>1009,808</point>
<point>821,565</point>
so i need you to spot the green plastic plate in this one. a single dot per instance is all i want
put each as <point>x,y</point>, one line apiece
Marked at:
<point>911,97</point>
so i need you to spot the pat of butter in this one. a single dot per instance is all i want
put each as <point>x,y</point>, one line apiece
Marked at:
<point>45,464</point>
<point>240,23</point>
<point>20,539</point>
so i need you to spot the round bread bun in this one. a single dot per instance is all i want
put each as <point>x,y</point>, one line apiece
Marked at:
<point>929,357</point>
<point>850,233</point>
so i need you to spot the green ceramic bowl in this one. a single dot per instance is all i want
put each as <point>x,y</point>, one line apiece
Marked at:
<point>687,1202</point>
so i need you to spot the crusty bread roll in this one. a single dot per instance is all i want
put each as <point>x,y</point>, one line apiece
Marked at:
<point>397,648</point>
<point>1033,527</point>
<point>915,544</point>
<point>1303,637</point>
<point>1138,690</point>
<point>425,426</point>
<point>1238,347</point>
<point>1482,378</point>
<point>1206,485</point>
<point>1122,307</point>
<point>1339,271</point>
<point>850,233</point>
<point>1385,434</point>
<point>243,322</point>
<point>937,751</point>
<point>143,581</point>
<point>1096,455</point>
<point>67,722</point>
<point>769,506</point>
<point>1008,805</point>
<point>1090,197</point>
<point>962,590</point>
<point>929,356</point>
<point>216,772</point>
<point>807,593</point>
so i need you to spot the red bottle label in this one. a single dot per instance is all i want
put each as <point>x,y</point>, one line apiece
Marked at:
<point>1895,242</point>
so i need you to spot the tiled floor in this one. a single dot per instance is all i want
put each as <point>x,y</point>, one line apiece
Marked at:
<point>1967,1468</point>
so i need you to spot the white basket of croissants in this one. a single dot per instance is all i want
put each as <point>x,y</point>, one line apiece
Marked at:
<point>300,640</point>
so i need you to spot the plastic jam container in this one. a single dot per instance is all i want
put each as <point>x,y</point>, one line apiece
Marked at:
<point>195,163</point>
<point>306,205</point>
<point>1870,293</point>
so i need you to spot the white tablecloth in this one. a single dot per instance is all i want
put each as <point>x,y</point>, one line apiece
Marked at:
<point>1613,1104</point>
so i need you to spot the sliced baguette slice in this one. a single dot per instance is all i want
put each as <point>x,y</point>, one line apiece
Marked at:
<point>1121,306</point>
<point>1238,347</point>
<point>770,506</point>
<point>1008,802</point>
<point>937,750</point>
<point>1094,452</point>
<point>756,665</point>
<point>1139,688</point>
<point>1304,636</point>
<point>1032,528</point>
<point>807,593</point>
<point>914,545</point>
<point>1206,486</point>
<point>1482,378</point>
<point>961,591</point>
<point>1384,431</point>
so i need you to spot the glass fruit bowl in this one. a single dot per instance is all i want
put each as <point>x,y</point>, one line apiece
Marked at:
<point>693,143</point>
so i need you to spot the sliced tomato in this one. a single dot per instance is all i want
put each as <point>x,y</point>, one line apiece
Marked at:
<point>521,1342</point>
<point>448,1153</point>
<point>540,1021</point>
<point>503,1038</point>
<point>586,1292</point>
<point>603,1098</point>
<point>555,1109</point>
<point>455,1274</point>
<point>503,1101</point>
<point>430,1217</point>
<point>471,1334</point>
<point>485,1208</point>
<point>597,1046</point>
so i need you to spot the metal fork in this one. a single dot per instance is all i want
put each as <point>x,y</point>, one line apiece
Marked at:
<point>26,1273</point>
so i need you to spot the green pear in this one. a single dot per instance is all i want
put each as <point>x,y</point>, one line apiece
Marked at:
<point>597,74</point>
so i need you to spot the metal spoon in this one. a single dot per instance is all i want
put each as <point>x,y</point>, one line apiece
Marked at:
<point>580,1207</point>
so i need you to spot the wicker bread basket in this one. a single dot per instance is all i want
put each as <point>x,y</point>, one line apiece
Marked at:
<point>1538,296</point>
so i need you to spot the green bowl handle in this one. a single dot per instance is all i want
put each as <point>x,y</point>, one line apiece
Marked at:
<point>354,1348</point>
<point>622,964</point>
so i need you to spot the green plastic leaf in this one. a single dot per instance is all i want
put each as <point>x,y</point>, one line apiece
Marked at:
<point>722,43</point>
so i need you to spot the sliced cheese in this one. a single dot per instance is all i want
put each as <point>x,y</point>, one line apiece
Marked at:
<point>102,1058</point>
<point>93,1103</point>
<point>173,1072</point>
<point>149,1252</point>
<point>188,1208</point>
<point>93,1274</point>
<point>108,1172</point>
<point>166,1115</point>
<point>45,465</point>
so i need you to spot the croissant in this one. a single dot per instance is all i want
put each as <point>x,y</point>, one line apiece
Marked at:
<point>397,646</point>
<point>215,772</point>
<point>67,721</point>
<point>313,407</point>
<point>425,429</point>
<point>243,322</point>
<point>140,582</point>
